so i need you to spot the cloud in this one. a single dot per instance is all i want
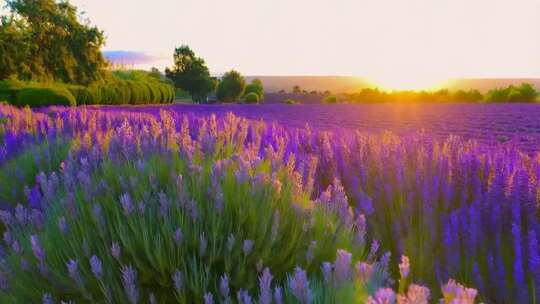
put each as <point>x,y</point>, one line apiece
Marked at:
<point>129,57</point>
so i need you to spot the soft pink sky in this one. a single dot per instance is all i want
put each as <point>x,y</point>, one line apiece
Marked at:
<point>400,41</point>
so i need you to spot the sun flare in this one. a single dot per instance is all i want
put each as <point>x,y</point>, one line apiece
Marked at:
<point>396,82</point>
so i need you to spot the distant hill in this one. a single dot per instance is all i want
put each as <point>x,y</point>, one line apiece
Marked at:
<point>344,84</point>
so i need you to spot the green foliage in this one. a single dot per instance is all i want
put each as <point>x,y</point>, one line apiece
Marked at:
<point>44,40</point>
<point>330,99</point>
<point>251,98</point>
<point>523,93</point>
<point>83,95</point>
<point>471,95</point>
<point>190,74</point>
<point>256,87</point>
<point>291,101</point>
<point>9,89</point>
<point>38,96</point>
<point>231,87</point>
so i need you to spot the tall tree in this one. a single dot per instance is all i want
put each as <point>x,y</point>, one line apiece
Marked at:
<point>190,74</point>
<point>51,42</point>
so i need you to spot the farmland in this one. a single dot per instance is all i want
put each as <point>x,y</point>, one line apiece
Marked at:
<point>491,124</point>
<point>172,203</point>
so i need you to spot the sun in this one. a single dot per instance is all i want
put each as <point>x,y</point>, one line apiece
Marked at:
<point>397,82</point>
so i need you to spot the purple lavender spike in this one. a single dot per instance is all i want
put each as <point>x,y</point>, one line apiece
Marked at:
<point>208,298</point>
<point>127,204</point>
<point>115,250</point>
<point>342,266</point>
<point>38,251</point>
<point>278,296</point>
<point>264,285</point>
<point>62,225</point>
<point>299,285</point>
<point>129,281</point>
<point>178,280</point>
<point>47,299</point>
<point>224,286</point>
<point>96,266</point>
<point>178,236</point>
<point>247,247</point>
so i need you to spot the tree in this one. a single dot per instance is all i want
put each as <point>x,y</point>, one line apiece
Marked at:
<point>297,90</point>
<point>231,87</point>
<point>256,87</point>
<point>46,40</point>
<point>190,74</point>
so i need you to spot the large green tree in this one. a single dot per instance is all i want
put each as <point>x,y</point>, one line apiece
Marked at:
<point>190,74</point>
<point>231,87</point>
<point>45,39</point>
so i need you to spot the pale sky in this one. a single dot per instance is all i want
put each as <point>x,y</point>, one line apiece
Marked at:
<point>388,40</point>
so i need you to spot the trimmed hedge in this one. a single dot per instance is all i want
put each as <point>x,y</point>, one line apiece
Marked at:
<point>45,96</point>
<point>113,91</point>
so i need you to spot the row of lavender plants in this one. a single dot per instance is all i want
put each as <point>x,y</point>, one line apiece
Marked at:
<point>132,208</point>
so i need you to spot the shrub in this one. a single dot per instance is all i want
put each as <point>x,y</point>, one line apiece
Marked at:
<point>45,96</point>
<point>251,98</point>
<point>256,87</point>
<point>291,101</point>
<point>9,89</point>
<point>330,99</point>
<point>231,87</point>
<point>83,95</point>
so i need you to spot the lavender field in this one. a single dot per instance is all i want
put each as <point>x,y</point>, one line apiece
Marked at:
<point>516,125</point>
<point>173,204</point>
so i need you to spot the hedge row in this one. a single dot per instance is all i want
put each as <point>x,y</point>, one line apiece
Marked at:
<point>111,92</point>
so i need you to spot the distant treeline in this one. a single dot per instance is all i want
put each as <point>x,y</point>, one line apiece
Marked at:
<point>523,93</point>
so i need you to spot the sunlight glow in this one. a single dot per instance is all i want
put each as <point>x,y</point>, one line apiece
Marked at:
<point>397,82</point>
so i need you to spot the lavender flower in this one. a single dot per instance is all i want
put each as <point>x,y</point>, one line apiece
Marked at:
<point>208,298</point>
<point>264,285</point>
<point>247,247</point>
<point>224,286</point>
<point>383,296</point>
<point>115,250</point>
<point>244,297</point>
<point>62,225</point>
<point>127,204</point>
<point>129,281</point>
<point>343,266</point>
<point>299,285</point>
<point>177,280</point>
<point>278,296</point>
<point>38,251</point>
<point>47,298</point>
<point>178,236</point>
<point>96,266</point>
<point>326,268</point>
<point>73,270</point>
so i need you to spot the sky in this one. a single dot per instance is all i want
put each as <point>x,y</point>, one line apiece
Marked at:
<point>400,42</point>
